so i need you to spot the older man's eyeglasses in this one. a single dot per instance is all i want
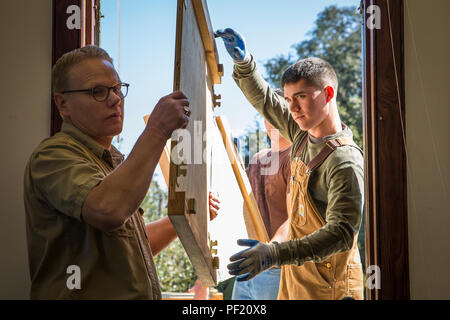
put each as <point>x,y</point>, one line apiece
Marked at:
<point>101,93</point>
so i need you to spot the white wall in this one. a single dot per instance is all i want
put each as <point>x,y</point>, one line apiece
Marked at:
<point>427,54</point>
<point>25,64</point>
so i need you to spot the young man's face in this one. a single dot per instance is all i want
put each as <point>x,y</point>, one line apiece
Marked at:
<point>307,103</point>
<point>100,120</point>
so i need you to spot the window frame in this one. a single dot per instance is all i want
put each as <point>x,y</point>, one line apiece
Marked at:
<point>65,39</point>
<point>383,126</point>
<point>385,150</point>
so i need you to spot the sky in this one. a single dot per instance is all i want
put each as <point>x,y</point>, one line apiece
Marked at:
<point>147,49</point>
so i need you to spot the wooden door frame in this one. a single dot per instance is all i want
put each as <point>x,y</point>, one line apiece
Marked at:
<point>65,39</point>
<point>384,136</point>
<point>385,150</point>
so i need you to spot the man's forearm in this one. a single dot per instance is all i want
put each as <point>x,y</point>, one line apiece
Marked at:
<point>115,199</point>
<point>160,234</point>
<point>318,246</point>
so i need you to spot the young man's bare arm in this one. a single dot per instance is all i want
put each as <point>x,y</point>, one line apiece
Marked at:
<point>160,234</point>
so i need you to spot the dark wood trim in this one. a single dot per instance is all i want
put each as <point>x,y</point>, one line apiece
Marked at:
<point>64,40</point>
<point>384,144</point>
<point>369,152</point>
<point>88,22</point>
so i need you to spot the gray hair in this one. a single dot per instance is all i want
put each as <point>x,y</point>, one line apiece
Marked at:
<point>60,71</point>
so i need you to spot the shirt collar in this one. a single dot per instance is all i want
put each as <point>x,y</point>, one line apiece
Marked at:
<point>113,156</point>
<point>344,132</point>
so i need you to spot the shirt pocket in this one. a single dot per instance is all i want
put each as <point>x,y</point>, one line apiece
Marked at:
<point>298,205</point>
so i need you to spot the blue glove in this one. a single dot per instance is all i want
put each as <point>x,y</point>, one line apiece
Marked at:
<point>254,260</point>
<point>235,44</point>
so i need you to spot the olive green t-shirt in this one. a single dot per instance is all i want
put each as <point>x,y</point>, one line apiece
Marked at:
<point>337,186</point>
<point>68,258</point>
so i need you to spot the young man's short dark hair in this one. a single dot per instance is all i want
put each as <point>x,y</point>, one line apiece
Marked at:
<point>315,71</point>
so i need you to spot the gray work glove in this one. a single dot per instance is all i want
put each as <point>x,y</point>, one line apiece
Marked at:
<point>254,260</point>
<point>235,44</point>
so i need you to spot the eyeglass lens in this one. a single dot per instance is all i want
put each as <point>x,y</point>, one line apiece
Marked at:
<point>101,93</point>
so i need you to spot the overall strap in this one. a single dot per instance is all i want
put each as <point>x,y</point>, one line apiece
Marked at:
<point>329,147</point>
<point>302,145</point>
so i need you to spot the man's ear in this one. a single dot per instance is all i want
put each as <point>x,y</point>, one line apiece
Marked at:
<point>61,105</point>
<point>329,91</point>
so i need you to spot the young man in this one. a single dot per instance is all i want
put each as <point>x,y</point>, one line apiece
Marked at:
<point>82,199</point>
<point>269,175</point>
<point>321,259</point>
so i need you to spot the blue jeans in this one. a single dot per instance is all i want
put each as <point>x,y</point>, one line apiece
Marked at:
<point>264,286</point>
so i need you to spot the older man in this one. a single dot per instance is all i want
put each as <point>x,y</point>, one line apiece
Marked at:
<point>82,199</point>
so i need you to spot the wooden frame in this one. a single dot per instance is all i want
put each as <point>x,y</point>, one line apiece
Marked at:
<point>65,39</point>
<point>384,128</point>
<point>252,217</point>
<point>385,154</point>
<point>189,180</point>
<point>188,207</point>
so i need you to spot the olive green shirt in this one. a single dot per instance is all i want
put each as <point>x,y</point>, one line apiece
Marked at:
<point>68,258</point>
<point>337,186</point>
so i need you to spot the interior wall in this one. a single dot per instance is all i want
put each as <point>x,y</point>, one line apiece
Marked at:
<point>427,69</point>
<point>25,64</point>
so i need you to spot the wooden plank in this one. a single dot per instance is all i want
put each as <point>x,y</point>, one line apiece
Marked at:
<point>164,162</point>
<point>252,216</point>
<point>188,167</point>
<point>199,162</point>
<point>229,225</point>
<point>208,39</point>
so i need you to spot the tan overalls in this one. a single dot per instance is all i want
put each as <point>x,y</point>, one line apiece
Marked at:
<point>337,276</point>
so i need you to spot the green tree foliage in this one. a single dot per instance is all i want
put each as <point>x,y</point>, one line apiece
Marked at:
<point>175,271</point>
<point>336,38</point>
